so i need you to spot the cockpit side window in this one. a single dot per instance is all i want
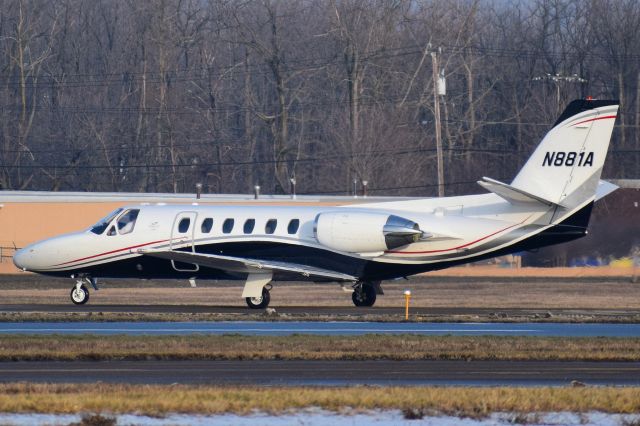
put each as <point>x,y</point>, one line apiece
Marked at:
<point>100,227</point>
<point>127,221</point>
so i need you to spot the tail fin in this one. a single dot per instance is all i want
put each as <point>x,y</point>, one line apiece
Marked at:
<point>565,168</point>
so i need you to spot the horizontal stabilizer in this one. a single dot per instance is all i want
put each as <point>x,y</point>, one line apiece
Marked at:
<point>605,188</point>
<point>244,265</point>
<point>511,194</point>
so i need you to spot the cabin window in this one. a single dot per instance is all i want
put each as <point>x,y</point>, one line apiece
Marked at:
<point>127,221</point>
<point>100,227</point>
<point>112,231</point>
<point>183,225</point>
<point>227,226</point>
<point>206,226</point>
<point>249,225</point>
<point>294,224</point>
<point>271,226</point>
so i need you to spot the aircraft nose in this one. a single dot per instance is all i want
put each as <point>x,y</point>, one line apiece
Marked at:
<point>23,258</point>
<point>46,254</point>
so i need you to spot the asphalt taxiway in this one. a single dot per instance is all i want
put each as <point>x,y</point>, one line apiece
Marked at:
<point>339,328</point>
<point>334,373</point>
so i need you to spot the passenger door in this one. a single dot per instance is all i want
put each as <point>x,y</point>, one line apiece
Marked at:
<point>182,232</point>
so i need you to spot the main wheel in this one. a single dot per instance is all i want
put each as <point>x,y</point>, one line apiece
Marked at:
<point>79,296</point>
<point>259,302</point>
<point>364,296</point>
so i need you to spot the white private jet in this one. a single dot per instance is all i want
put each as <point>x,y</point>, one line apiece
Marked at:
<point>548,202</point>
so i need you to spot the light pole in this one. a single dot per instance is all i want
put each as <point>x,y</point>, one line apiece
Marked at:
<point>559,78</point>
<point>364,188</point>
<point>293,187</point>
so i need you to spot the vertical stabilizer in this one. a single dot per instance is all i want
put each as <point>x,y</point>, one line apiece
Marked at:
<point>565,168</point>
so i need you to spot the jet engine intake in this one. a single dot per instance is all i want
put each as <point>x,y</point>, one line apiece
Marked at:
<point>363,232</point>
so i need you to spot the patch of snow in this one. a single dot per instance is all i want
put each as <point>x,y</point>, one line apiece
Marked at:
<point>318,417</point>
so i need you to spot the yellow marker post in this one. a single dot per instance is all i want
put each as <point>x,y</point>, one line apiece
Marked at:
<point>407,297</point>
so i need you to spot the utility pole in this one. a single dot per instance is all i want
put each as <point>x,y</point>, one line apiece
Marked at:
<point>436,113</point>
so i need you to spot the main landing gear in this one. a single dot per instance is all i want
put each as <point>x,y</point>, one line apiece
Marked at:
<point>260,302</point>
<point>80,293</point>
<point>364,293</point>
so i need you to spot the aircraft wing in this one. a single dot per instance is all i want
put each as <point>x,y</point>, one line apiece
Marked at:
<point>245,265</point>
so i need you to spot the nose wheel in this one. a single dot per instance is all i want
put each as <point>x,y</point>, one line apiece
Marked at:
<point>79,294</point>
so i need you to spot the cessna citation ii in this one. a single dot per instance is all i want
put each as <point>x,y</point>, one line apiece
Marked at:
<point>358,246</point>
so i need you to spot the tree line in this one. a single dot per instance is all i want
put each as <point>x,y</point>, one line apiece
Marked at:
<point>156,96</point>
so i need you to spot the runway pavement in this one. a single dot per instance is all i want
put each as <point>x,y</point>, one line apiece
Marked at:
<point>279,372</point>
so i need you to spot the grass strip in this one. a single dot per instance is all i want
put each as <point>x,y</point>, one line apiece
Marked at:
<point>312,347</point>
<point>627,317</point>
<point>161,400</point>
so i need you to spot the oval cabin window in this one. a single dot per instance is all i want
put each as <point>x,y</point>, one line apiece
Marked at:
<point>249,225</point>
<point>227,226</point>
<point>206,226</point>
<point>184,224</point>
<point>271,226</point>
<point>294,224</point>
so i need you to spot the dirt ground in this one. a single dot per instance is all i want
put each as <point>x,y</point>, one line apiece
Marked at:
<point>427,291</point>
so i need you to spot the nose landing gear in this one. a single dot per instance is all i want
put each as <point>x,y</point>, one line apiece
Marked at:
<point>80,293</point>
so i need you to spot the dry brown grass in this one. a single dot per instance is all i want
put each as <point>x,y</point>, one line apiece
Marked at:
<point>160,400</point>
<point>496,271</point>
<point>485,316</point>
<point>309,347</point>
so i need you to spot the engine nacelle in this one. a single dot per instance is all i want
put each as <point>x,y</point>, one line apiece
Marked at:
<point>362,232</point>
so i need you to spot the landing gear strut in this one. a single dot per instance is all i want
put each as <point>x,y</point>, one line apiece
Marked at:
<point>260,302</point>
<point>364,294</point>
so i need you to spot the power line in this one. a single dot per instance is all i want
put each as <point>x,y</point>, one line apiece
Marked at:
<point>458,151</point>
<point>239,163</point>
<point>291,65</point>
<point>392,188</point>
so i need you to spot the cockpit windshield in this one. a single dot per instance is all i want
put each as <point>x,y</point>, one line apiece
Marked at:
<point>99,227</point>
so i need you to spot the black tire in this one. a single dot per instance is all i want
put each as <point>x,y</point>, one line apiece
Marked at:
<point>365,297</point>
<point>259,302</point>
<point>81,297</point>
